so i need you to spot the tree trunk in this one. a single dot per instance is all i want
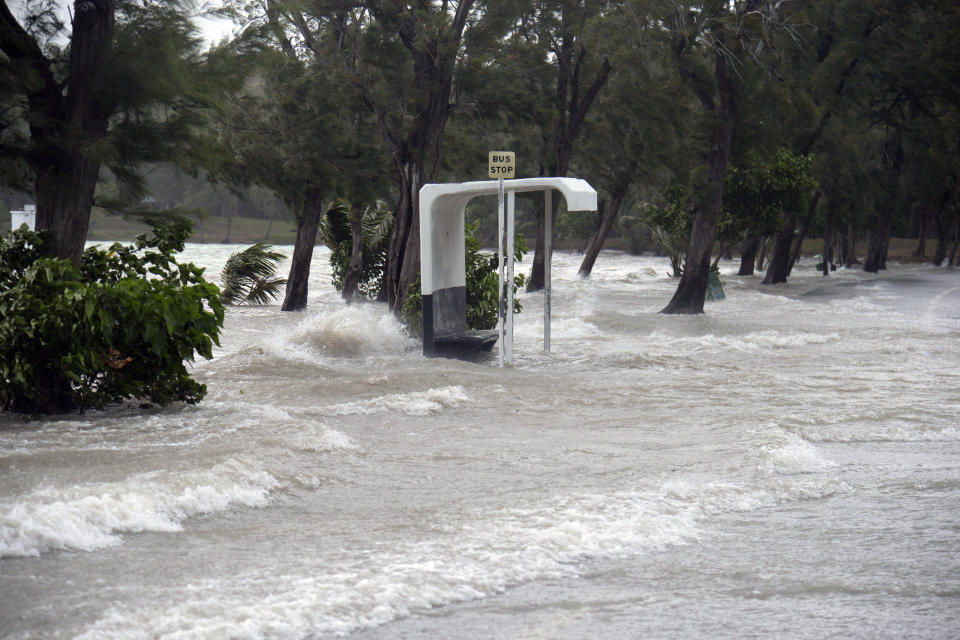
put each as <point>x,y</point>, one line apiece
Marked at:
<point>64,201</point>
<point>763,253</point>
<point>355,269</point>
<point>537,280</point>
<point>827,251</point>
<point>611,213</point>
<point>266,236</point>
<point>921,250</point>
<point>956,241</point>
<point>749,256</point>
<point>804,226</point>
<point>64,128</point>
<point>692,287</point>
<point>780,259</point>
<point>892,156</point>
<point>851,255</point>
<point>877,249</point>
<point>940,254</point>
<point>403,248</point>
<point>307,222</point>
<point>572,108</point>
<point>417,154</point>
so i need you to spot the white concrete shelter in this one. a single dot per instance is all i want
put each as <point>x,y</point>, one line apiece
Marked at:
<point>442,259</point>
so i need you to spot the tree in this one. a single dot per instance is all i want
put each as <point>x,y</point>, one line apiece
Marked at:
<point>562,30</point>
<point>635,134</point>
<point>786,187</point>
<point>706,35</point>
<point>399,61</point>
<point>754,199</point>
<point>671,225</point>
<point>358,248</point>
<point>126,90</point>
<point>269,137</point>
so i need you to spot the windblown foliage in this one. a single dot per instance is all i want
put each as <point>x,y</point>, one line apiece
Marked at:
<point>755,196</point>
<point>250,276</point>
<point>670,225</point>
<point>376,222</point>
<point>120,326</point>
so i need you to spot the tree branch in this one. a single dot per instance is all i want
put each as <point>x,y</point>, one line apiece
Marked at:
<point>576,119</point>
<point>16,43</point>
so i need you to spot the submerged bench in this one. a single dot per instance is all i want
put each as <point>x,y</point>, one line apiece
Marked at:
<point>445,331</point>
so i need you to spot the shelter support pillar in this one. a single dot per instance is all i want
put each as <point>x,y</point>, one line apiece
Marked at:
<point>547,257</point>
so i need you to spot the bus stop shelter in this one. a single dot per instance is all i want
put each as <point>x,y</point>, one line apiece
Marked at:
<point>442,260</point>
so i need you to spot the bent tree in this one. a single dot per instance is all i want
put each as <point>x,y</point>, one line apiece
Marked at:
<point>64,125</point>
<point>412,127</point>
<point>711,42</point>
<point>399,60</point>
<point>704,35</point>
<point>124,91</point>
<point>564,29</point>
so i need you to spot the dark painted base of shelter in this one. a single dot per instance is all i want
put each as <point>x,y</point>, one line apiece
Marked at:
<point>445,333</point>
<point>465,346</point>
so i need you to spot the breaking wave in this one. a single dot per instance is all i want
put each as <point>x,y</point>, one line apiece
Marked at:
<point>357,330</point>
<point>93,516</point>
<point>415,403</point>
<point>484,556</point>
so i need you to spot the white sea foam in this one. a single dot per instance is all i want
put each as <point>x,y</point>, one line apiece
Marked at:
<point>319,438</point>
<point>357,330</point>
<point>187,426</point>
<point>793,455</point>
<point>93,516</point>
<point>899,432</point>
<point>755,341</point>
<point>483,556</point>
<point>415,403</point>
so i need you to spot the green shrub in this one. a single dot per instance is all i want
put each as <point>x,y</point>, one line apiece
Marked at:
<point>670,225</point>
<point>120,326</point>
<point>482,276</point>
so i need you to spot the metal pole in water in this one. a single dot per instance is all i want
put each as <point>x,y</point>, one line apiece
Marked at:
<point>500,305</point>
<point>547,251</point>
<point>511,208</point>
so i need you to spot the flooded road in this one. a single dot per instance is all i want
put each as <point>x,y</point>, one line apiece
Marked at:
<point>786,465</point>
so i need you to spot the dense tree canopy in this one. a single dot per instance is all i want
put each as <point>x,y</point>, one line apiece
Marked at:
<point>367,101</point>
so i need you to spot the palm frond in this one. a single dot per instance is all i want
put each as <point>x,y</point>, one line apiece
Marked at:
<point>336,223</point>
<point>376,222</point>
<point>265,290</point>
<point>249,276</point>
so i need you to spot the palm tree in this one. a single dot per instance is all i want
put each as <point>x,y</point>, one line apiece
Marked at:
<point>249,276</point>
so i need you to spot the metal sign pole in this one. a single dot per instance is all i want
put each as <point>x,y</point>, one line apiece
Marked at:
<point>500,243</point>
<point>511,208</point>
<point>547,255</point>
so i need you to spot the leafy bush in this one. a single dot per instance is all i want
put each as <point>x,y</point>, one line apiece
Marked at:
<point>250,276</point>
<point>482,277</point>
<point>120,326</point>
<point>671,225</point>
